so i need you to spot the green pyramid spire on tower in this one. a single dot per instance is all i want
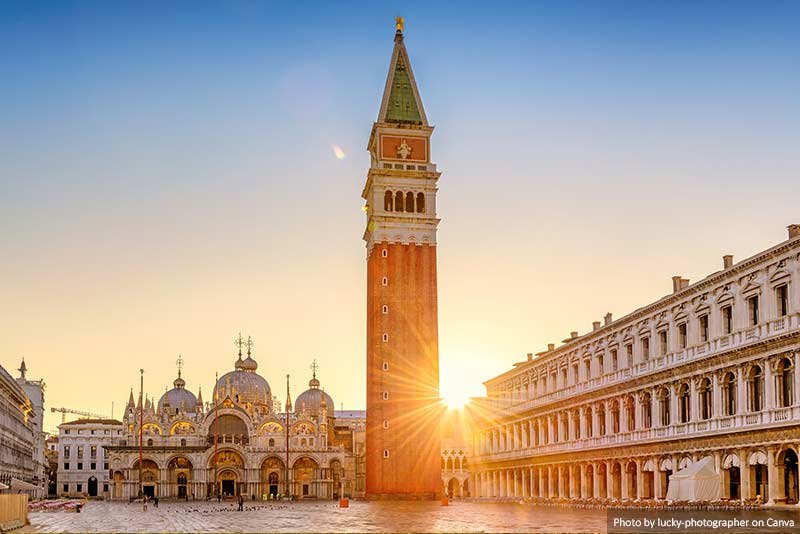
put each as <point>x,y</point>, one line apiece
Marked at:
<point>401,102</point>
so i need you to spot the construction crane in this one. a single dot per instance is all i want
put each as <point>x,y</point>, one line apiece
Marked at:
<point>65,411</point>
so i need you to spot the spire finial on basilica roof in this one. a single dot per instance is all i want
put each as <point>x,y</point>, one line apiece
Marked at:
<point>239,343</point>
<point>314,383</point>
<point>249,344</point>
<point>399,23</point>
<point>22,369</point>
<point>179,364</point>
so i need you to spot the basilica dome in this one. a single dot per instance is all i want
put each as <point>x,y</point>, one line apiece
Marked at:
<point>178,397</point>
<point>311,399</point>
<point>244,385</point>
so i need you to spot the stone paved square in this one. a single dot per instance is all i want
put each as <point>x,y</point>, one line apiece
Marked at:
<point>317,517</point>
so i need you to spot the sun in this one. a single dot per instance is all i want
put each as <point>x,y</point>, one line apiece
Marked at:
<point>454,397</point>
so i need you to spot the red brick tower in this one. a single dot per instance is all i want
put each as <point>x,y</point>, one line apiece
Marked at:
<point>403,405</point>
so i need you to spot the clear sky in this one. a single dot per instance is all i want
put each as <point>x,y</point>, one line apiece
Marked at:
<point>168,176</point>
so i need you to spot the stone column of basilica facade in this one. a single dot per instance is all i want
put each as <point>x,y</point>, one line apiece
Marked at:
<point>705,374</point>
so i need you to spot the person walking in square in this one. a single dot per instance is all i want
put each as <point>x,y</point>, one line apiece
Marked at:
<point>241,503</point>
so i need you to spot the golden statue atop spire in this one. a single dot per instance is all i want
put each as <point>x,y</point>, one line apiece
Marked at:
<point>399,23</point>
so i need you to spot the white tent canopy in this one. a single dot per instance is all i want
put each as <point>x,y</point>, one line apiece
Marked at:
<point>18,485</point>
<point>698,482</point>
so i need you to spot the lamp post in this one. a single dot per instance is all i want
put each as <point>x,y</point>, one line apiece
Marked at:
<point>141,429</point>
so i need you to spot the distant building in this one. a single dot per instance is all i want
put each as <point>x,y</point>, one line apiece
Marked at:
<point>51,457</point>
<point>18,436</point>
<point>83,468</point>
<point>456,452</point>
<point>34,389</point>
<point>706,373</point>
<point>237,444</point>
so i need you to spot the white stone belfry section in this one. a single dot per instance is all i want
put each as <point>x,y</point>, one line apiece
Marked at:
<point>399,147</point>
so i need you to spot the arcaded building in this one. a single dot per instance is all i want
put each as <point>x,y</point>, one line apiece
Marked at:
<point>708,371</point>
<point>238,443</point>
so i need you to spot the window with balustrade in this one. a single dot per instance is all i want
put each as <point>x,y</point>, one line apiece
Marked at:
<point>755,384</point>
<point>663,406</point>
<point>647,410</point>
<point>587,422</point>
<point>703,323</point>
<point>684,404</point>
<point>704,393</point>
<point>682,336</point>
<point>630,414</point>
<point>615,417</point>
<point>782,300</point>
<point>645,348</point>
<point>727,319</point>
<point>729,393</point>
<point>752,310</point>
<point>662,342</point>
<point>601,419</point>
<point>785,379</point>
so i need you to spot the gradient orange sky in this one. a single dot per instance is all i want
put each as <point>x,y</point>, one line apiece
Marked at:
<point>164,190</point>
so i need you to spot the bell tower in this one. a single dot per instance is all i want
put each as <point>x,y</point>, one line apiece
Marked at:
<point>403,405</point>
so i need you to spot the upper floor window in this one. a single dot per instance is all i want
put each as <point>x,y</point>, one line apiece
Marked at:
<point>588,423</point>
<point>682,341</point>
<point>647,411</point>
<point>785,375</point>
<point>755,383</point>
<point>752,310</point>
<point>388,201</point>
<point>727,319</point>
<point>662,342</point>
<point>575,378</point>
<point>663,403</point>
<point>645,348</point>
<point>729,393</point>
<point>782,298</point>
<point>684,407</point>
<point>629,353</point>
<point>705,399</point>
<point>615,417</point>
<point>587,368</point>
<point>399,200</point>
<point>420,203</point>
<point>564,377</point>
<point>600,366</point>
<point>703,327</point>
<point>614,362</point>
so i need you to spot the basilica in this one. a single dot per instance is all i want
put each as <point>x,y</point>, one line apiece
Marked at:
<point>240,443</point>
